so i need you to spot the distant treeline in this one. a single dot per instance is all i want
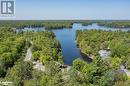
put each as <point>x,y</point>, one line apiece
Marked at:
<point>19,24</point>
<point>58,24</point>
<point>48,24</point>
<point>116,24</point>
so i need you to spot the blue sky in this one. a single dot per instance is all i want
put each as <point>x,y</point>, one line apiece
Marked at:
<point>71,9</point>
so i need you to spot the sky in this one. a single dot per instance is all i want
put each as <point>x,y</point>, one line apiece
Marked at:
<point>70,10</point>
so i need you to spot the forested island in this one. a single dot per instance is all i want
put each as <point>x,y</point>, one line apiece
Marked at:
<point>116,24</point>
<point>43,47</point>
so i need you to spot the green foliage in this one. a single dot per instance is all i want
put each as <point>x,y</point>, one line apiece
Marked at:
<point>98,72</point>
<point>44,46</point>
<point>11,48</point>
<point>128,64</point>
<point>52,76</point>
<point>119,48</point>
<point>78,64</point>
<point>116,24</point>
<point>47,24</point>
<point>92,41</point>
<point>107,79</point>
<point>20,72</point>
<point>88,69</point>
<point>114,62</point>
<point>76,79</point>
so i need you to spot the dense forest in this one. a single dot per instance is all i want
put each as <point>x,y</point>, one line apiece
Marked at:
<point>11,48</point>
<point>44,46</point>
<point>118,43</point>
<point>48,24</point>
<point>20,24</point>
<point>115,24</point>
<point>46,49</point>
<point>98,73</point>
<point>58,24</point>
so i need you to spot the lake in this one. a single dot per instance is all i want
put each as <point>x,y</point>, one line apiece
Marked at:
<point>66,37</point>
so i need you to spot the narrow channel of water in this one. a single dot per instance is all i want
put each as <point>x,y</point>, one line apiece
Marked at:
<point>66,37</point>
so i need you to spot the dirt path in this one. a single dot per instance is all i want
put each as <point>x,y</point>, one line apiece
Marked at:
<point>36,65</point>
<point>28,55</point>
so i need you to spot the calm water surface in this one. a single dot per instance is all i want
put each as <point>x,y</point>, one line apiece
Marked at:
<point>66,37</point>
